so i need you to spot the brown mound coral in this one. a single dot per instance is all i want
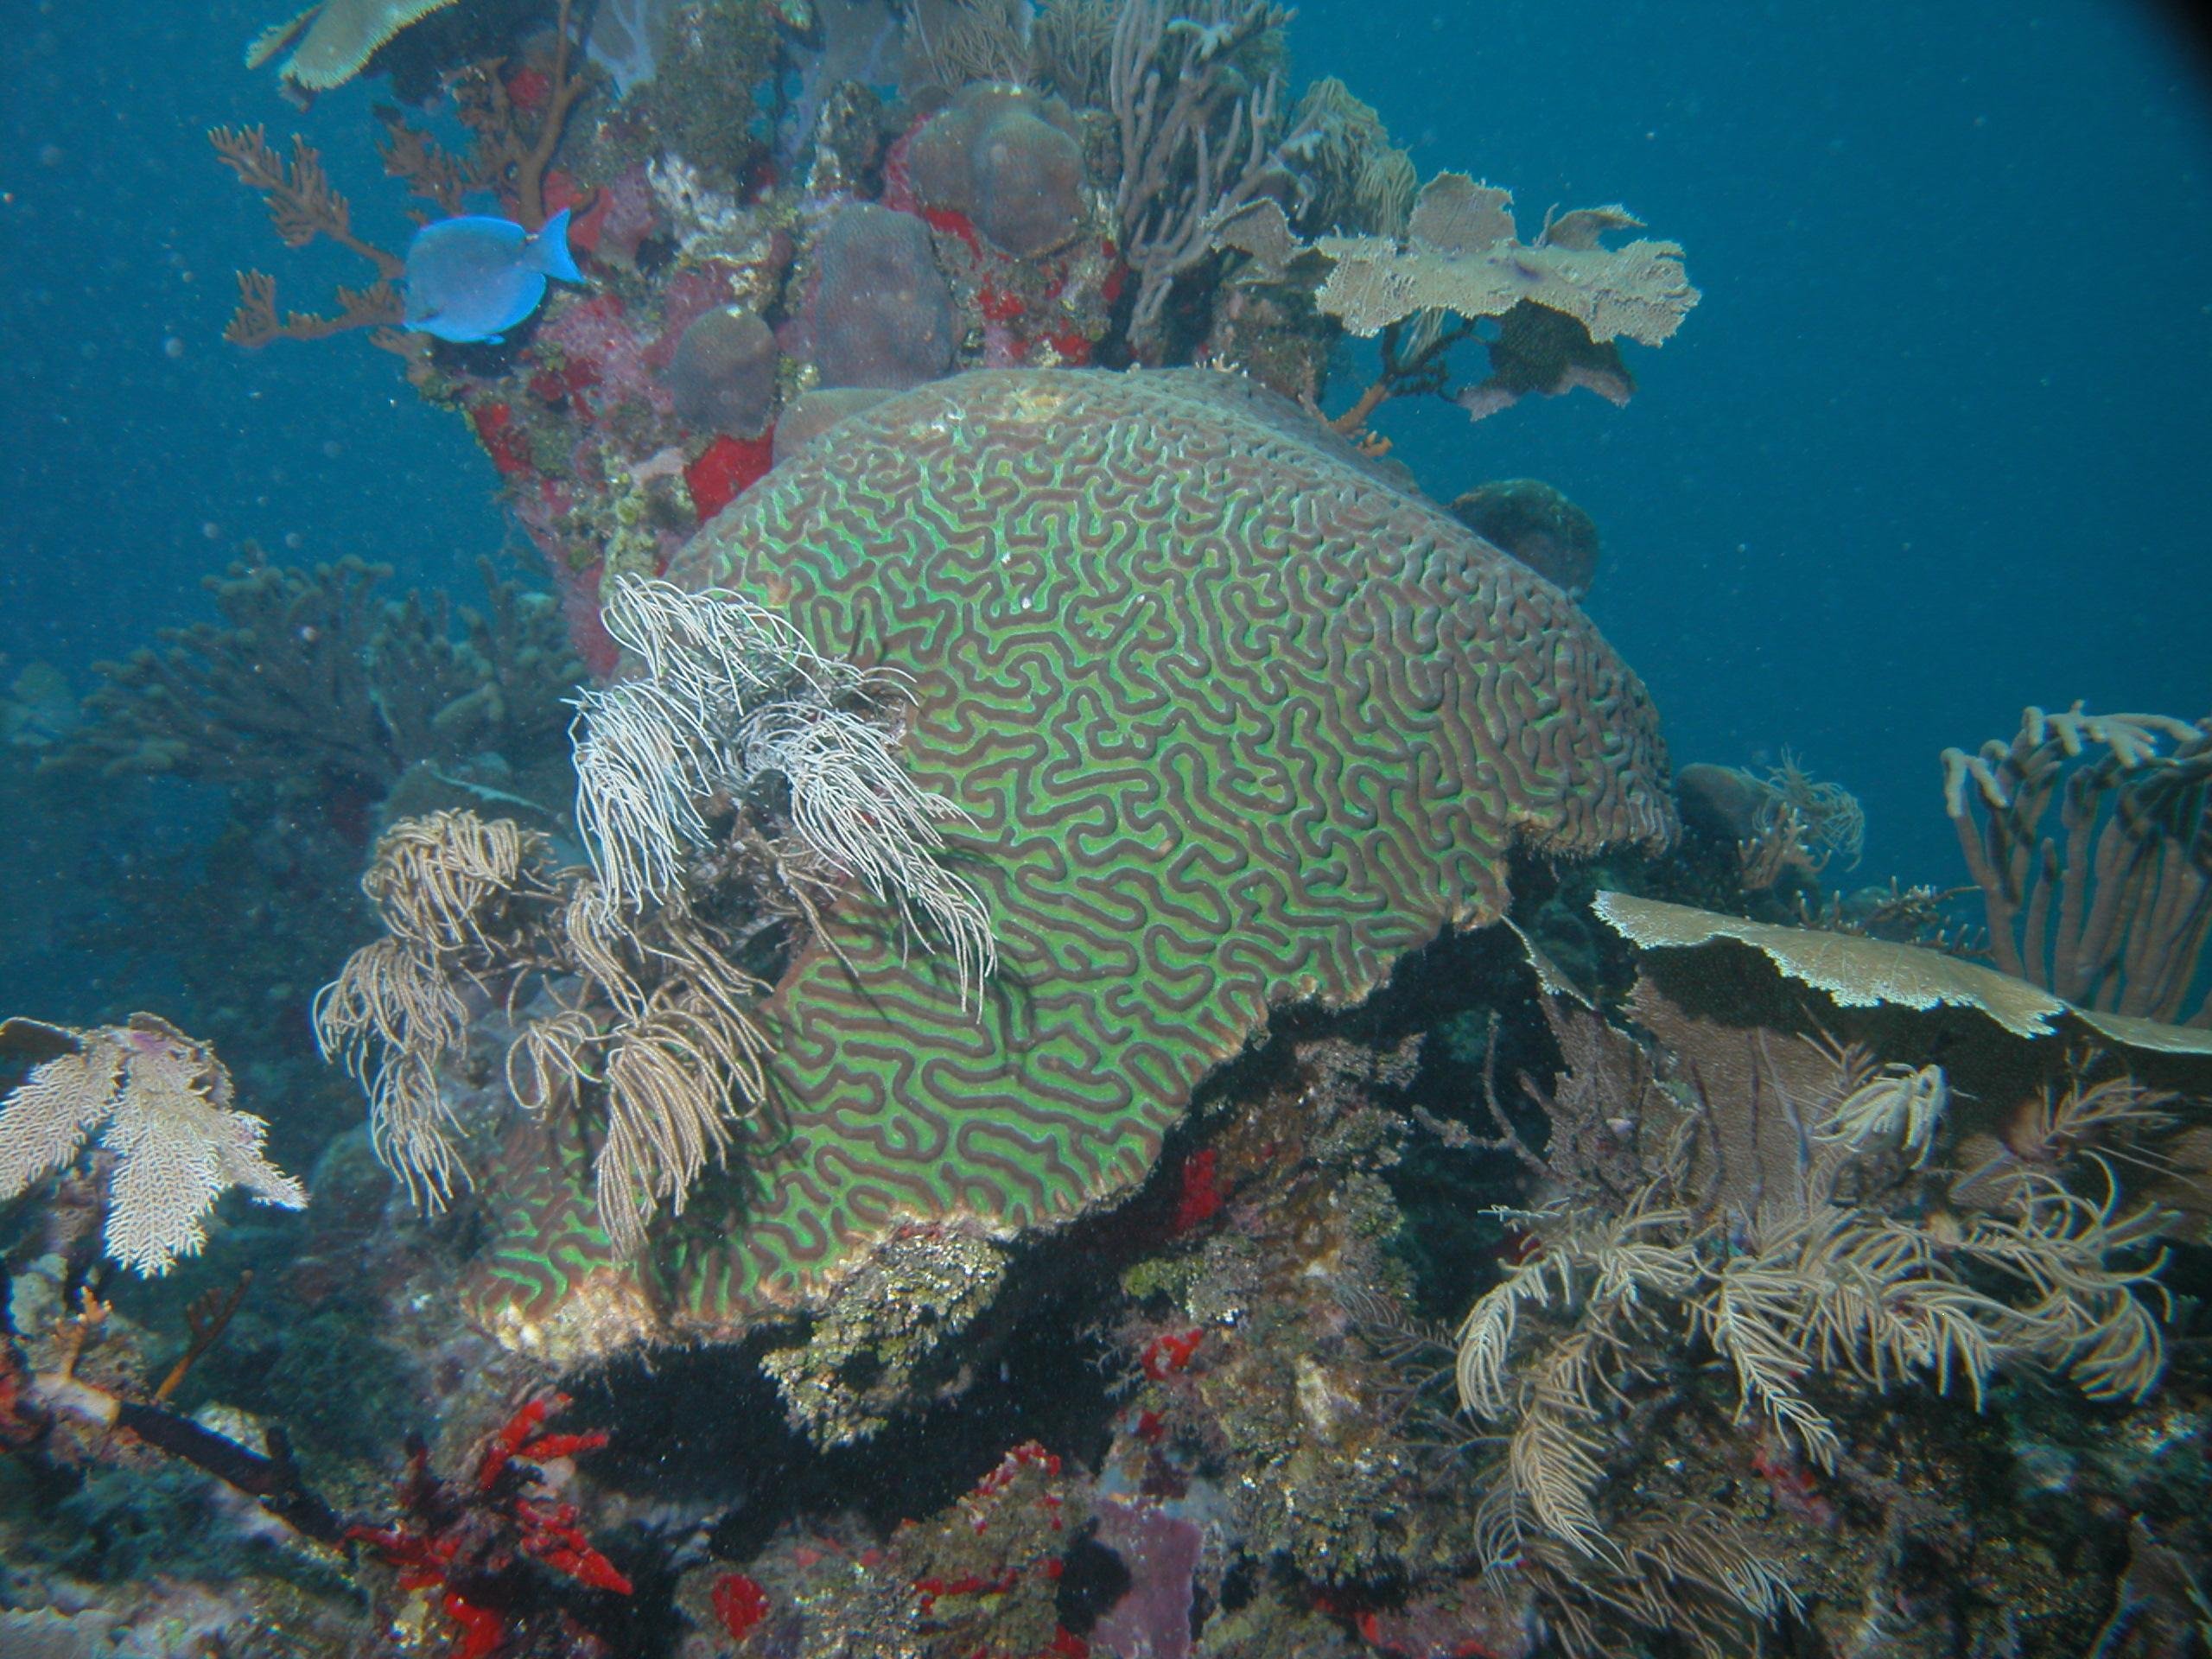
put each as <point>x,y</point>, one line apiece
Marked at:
<point>723,375</point>
<point>1008,159</point>
<point>883,314</point>
<point>1538,525</point>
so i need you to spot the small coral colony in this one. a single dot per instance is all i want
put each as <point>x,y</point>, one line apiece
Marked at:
<point>1017,1002</point>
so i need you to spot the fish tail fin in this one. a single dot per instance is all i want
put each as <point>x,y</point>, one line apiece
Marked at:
<point>549,249</point>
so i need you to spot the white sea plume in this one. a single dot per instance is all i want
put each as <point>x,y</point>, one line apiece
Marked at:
<point>729,692</point>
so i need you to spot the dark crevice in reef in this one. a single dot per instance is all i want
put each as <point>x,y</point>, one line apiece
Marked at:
<point>692,1425</point>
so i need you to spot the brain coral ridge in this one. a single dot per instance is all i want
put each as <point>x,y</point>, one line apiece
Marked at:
<point>1238,722</point>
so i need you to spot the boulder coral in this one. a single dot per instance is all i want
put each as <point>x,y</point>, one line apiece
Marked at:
<point>1237,723</point>
<point>1538,525</point>
<point>1009,159</point>
<point>723,374</point>
<point>882,313</point>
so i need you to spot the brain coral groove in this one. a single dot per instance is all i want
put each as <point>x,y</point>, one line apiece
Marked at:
<point>1238,722</point>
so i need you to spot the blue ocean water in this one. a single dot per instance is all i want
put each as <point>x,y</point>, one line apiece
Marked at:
<point>1933,445</point>
<point>1931,449</point>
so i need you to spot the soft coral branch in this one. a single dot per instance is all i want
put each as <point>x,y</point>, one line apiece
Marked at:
<point>302,205</point>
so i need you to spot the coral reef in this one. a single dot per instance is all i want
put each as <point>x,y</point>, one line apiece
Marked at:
<point>1194,98</point>
<point>1010,161</point>
<point>2131,870</point>
<point>991,1089</point>
<point>1775,1220</point>
<point>898,192</point>
<point>303,206</point>
<point>883,314</point>
<point>171,1142</point>
<point>1084,1050</point>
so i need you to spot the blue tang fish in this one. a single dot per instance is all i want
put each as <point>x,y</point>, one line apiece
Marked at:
<point>472,278</point>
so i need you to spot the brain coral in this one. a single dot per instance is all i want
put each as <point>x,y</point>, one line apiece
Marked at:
<point>883,313</point>
<point>1238,723</point>
<point>1007,158</point>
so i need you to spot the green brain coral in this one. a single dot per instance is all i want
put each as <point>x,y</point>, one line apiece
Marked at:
<point>1238,722</point>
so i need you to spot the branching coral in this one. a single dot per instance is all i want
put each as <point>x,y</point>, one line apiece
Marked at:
<point>2129,871</point>
<point>512,139</point>
<point>1783,1223</point>
<point>510,152</point>
<point>1362,183</point>
<point>1071,49</point>
<point>302,205</point>
<point>1200,138</point>
<point>310,681</point>
<point>969,40</point>
<point>173,1142</point>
